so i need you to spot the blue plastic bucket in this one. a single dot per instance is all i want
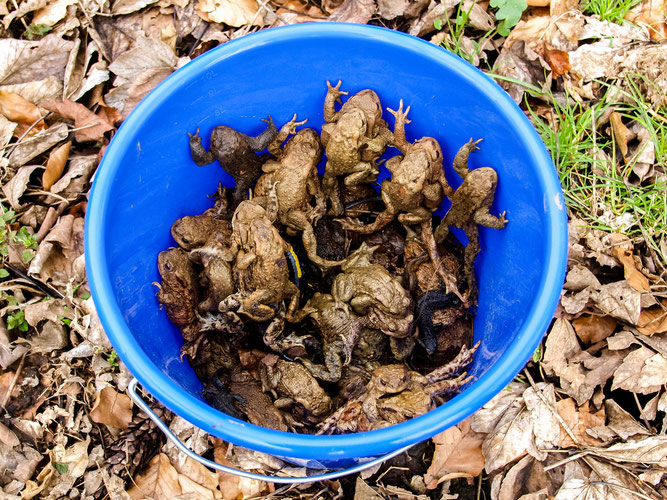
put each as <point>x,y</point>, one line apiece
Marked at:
<point>147,180</point>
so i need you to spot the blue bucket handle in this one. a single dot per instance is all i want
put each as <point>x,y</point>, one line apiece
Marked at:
<point>132,391</point>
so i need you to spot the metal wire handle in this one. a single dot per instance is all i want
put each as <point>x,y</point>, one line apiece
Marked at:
<point>132,390</point>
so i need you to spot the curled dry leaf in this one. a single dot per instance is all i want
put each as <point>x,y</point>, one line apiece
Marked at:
<point>619,300</point>
<point>643,371</point>
<point>458,453</point>
<point>53,12</point>
<point>633,276</point>
<point>21,111</point>
<point>650,450</point>
<point>91,126</point>
<point>112,408</point>
<point>593,329</point>
<point>59,253</point>
<point>15,188</point>
<point>621,422</point>
<point>33,146</point>
<point>122,7</point>
<point>55,165</point>
<point>231,12</point>
<point>526,480</point>
<point>653,320</point>
<point>653,15</point>
<point>558,60</point>
<point>354,11</point>
<point>621,133</point>
<point>579,421</point>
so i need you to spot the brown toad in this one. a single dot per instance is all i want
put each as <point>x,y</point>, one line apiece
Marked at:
<point>261,273</point>
<point>416,189</point>
<point>354,138</point>
<point>179,291</point>
<point>235,151</point>
<point>294,175</point>
<point>396,394</point>
<point>295,388</point>
<point>470,206</point>
<point>339,328</point>
<point>372,291</point>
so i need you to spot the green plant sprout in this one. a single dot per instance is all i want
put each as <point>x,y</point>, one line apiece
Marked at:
<point>509,13</point>
<point>609,10</point>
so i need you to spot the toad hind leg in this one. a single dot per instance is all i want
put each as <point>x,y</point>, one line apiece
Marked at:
<point>297,220</point>
<point>199,155</point>
<point>432,248</point>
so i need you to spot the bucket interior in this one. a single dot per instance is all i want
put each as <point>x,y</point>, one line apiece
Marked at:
<point>147,180</point>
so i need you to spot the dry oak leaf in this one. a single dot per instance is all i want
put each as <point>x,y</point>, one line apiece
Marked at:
<point>619,300</point>
<point>643,371</point>
<point>60,253</point>
<point>122,7</point>
<point>621,422</point>
<point>21,111</point>
<point>55,165</point>
<point>112,408</point>
<point>92,127</point>
<point>22,61</point>
<point>458,453</point>
<point>231,12</point>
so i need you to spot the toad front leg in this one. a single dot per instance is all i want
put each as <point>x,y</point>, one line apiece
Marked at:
<point>401,118</point>
<point>333,96</point>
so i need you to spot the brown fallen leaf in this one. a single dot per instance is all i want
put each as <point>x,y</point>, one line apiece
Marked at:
<point>592,329</point>
<point>53,12</point>
<point>579,421</point>
<point>621,133</point>
<point>643,371</point>
<point>633,276</point>
<point>33,146</point>
<point>21,111</point>
<point>649,450</point>
<point>112,408</point>
<point>558,60</point>
<point>621,422</point>
<point>653,320</point>
<point>59,255</point>
<point>123,7</point>
<point>24,61</point>
<point>458,453</point>
<point>354,11</point>
<point>619,300</point>
<point>653,15</point>
<point>17,185</point>
<point>527,477</point>
<point>55,165</point>
<point>159,481</point>
<point>92,127</point>
<point>231,12</point>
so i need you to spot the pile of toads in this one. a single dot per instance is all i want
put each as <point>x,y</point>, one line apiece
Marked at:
<point>286,325</point>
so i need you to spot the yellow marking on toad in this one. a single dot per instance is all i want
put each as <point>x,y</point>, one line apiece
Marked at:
<point>295,260</point>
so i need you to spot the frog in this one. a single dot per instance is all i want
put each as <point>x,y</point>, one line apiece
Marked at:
<point>254,402</point>
<point>195,234</point>
<point>295,388</point>
<point>396,393</point>
<point>339,328</point>
<point>193,231</point>
<point>260,269</point>
<point>354,138</point>
<point>294,173</point>
<point>416,189</point>
<point>236,153</point>
<point>471,203</point>
<point>179,290</point>
<point>373,292</point>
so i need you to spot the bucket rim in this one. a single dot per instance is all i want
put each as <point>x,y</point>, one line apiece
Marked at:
<point>345,446</point>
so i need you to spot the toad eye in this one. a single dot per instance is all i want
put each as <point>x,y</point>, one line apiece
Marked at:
<point>168,266</point>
